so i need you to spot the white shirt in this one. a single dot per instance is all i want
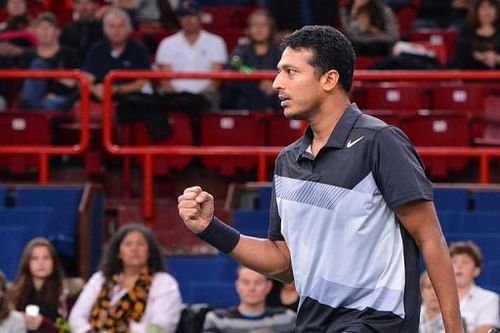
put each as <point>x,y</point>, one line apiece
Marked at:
<point>163,307</point>
<point>480,307</point>
<point>180,55</point>
<point>14,323</point>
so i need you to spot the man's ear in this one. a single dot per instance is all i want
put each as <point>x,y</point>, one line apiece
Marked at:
<point>331,79</point>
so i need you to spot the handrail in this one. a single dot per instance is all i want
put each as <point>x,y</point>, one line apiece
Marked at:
<point>44,151</point>
<point>262,153</point>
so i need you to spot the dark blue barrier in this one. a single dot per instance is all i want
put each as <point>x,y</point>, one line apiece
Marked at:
<point>65,202</point>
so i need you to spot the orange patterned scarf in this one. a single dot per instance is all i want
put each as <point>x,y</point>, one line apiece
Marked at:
<point>115,319</point>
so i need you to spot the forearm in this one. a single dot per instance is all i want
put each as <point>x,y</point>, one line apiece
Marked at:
<point>435,254</point>
<point>268,257</point>
<point>129,87</point>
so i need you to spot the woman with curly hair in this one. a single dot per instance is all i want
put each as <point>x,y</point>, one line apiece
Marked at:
<point>39,283</point>
<point>131,292</point>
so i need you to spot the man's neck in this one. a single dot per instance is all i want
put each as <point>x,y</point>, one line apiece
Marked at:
<point>47,51</point>
<point>463,291</point>
<point>38,283</point>
<point>324,121</point>
<point>117,49</point>
<point>247,309</point>
<point>192,36</point>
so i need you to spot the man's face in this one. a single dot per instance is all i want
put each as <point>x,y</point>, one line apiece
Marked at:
<point>465,270</point>
<point>299,88</point>
<point>116,29</point>
<point>252,287</point>
<point>16,7</point>
<point>46,33</point>
<point>190,23</point>
<point>85,9</point>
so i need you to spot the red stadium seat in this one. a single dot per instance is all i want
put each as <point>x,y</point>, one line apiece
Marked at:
<point>468,97</point>
<point>224,17</point>
<point>491,136</point>
<point>396,96</point>
<point>232,129</point>
<point>437,37</point>
<point>440,128</point>
<point>366,62</point>
<point>24,128</point>
<point>283,131</point>
<point>181,135</point>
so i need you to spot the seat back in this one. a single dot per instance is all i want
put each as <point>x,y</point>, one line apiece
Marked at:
<point>232,129</point>
<point>181,134</point>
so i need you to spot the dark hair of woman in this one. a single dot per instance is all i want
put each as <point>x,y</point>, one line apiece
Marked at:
<point>4,303</point>
<point>111,264</point>
<point>52,287</point>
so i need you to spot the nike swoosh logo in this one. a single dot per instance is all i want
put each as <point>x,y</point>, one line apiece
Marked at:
<point>352,143</point>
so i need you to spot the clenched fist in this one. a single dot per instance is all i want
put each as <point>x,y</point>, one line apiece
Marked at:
<point>196,208</point>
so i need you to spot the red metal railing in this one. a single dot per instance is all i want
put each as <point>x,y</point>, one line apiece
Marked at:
<point>45,151</point>
<point>262,153</point>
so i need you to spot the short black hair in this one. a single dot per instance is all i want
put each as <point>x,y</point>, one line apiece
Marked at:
<point>330,48</point>
<point>111,264</point>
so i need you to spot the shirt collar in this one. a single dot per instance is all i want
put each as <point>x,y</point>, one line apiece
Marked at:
<point>340,133</point>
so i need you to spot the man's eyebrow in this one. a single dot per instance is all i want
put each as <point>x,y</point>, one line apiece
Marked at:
<point>284,66</point>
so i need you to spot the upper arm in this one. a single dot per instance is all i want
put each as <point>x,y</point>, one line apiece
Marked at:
<point>80,313</point>
<point>420,219</point>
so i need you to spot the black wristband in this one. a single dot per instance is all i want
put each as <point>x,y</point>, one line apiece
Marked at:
<point>220,235</point>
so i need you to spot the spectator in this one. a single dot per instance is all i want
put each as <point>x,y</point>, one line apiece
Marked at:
<point>283,295</point>
<point>370,25</point>
<point>10,321</point>
<point>252,312</point>
<point>430,314</point>
<point>85,30</point>
<point>116,51</point>
<point>15,40</point>
<point>261,53</point>
<point>48,94</point>
<point>130,292</point>
<point>194,50</point>
<point>39,284</point>
<point>478,45</point>
<point>150,11</point>
<point>479,307</point>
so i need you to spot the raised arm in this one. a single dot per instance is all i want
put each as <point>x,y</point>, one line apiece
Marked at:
<point>420,220</point>
<point>272,258</point>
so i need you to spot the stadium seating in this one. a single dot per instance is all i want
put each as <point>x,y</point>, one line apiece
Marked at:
<point>491,133</point>
<point>232,129</point>
<point>435,128</point>
<point>487,201</point>
<point>395,96</point>
<point>437,37</point>
<point>26,128</point>
<point>282,131</point>
<point>197,273</point>
<point>481,221</point>
<point>466,97</point>
<point>64,203</point>
<point>12,242</point>
<point>453,199</point>
<point>181,135</point>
